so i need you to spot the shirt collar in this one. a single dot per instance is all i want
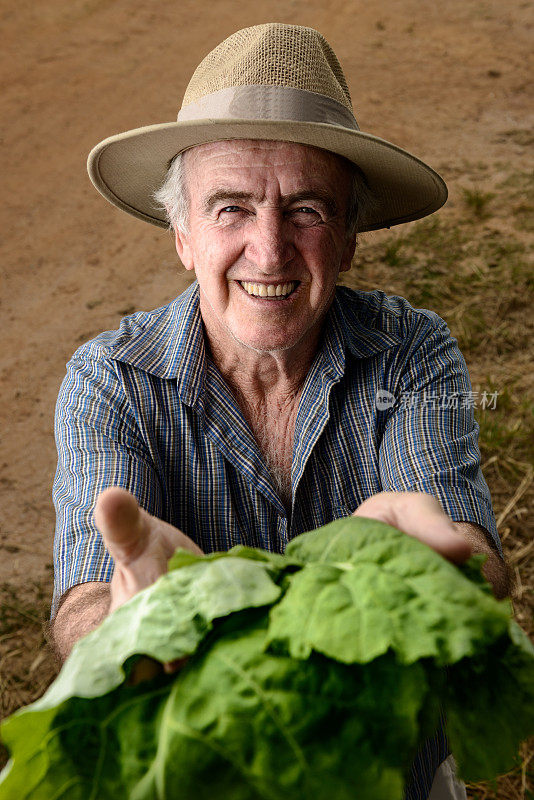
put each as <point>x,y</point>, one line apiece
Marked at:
<point>169,342</point>
<point>352,324</point>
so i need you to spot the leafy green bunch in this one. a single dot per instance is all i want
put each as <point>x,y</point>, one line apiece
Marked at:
<point>313,674</point>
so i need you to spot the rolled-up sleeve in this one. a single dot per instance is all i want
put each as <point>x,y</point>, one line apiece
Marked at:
<point>99,445</point>
<point>430,441</point>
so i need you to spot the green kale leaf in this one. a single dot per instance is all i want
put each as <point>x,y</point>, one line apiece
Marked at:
<point>313,674</point>
<point>388,591</point>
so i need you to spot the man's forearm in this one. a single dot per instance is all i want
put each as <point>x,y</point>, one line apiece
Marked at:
<point>494,570</point>
<point>82,610</point>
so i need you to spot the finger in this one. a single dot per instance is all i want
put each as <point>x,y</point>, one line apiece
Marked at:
<point>421,516</point>
<point>441,535</point>
<point>119,520</point>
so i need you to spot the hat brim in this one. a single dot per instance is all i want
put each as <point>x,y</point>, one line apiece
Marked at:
<point>129,167</point>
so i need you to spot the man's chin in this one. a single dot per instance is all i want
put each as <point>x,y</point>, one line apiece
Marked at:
<point>301,339</point>
<point>263,344</point>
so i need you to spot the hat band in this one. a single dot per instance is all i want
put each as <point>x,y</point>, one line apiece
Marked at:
<point>269,103</point>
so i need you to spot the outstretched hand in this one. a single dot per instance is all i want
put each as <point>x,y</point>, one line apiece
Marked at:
<point>139,543</point>
<point>421,516</point>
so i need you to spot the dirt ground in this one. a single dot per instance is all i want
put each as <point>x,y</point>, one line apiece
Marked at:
<point>447,81</point>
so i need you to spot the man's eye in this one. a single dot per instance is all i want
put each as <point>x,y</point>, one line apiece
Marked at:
<point>230,209</point>
<point>305,216</point>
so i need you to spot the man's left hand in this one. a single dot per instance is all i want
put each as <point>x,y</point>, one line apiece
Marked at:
<point>421,516</point>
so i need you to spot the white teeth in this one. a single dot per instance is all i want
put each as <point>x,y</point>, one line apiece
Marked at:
<point>268,289</point>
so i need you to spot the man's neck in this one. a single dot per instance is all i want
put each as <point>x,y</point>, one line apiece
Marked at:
<point>254,374</point>
<point>267,387</point>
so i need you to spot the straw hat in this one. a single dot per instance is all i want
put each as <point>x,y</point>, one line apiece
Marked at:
<point>273,81</point>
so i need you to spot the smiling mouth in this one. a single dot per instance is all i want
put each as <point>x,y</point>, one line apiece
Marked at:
<point>270,290</point>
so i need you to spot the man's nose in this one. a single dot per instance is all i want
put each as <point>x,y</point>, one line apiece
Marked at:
<point>269,242</point>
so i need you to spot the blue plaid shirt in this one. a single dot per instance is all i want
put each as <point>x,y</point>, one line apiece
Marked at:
<point>386,405</point>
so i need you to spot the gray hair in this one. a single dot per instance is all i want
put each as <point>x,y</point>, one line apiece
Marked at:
<point>172,197</point>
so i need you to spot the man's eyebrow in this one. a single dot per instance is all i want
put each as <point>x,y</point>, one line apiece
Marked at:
<point>222,195</point>
<point>314,194</point>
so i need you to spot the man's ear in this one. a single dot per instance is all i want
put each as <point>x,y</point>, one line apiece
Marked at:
<point>348,253</point>
<point>183,248</point>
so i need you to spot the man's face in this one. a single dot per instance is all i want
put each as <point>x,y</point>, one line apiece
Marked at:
<point>266,238</point>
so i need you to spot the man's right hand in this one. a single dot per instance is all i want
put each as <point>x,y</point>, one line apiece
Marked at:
<point>139,543</point>
<point>140,546</point>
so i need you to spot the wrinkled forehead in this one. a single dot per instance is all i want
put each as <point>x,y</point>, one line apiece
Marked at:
<point>237,159</point>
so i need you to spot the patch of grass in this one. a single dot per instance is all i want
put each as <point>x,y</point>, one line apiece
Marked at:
<point>478,279</point>
<point>477,201</point>
<point>505,433</point>
<point>393,255</point>
<point>520,188</point>
<point>472,330</point>
<point>521,136</point>
<point>496,249</point>
<point>437,236</point>
<point>15,607</point>
<point>27,664</point>
<point>523,216</point>
<point>519,181</point>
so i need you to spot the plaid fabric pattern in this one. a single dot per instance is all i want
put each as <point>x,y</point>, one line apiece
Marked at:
<point>145,409</point>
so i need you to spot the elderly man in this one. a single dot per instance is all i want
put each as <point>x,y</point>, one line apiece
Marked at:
<point>263,401</point>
